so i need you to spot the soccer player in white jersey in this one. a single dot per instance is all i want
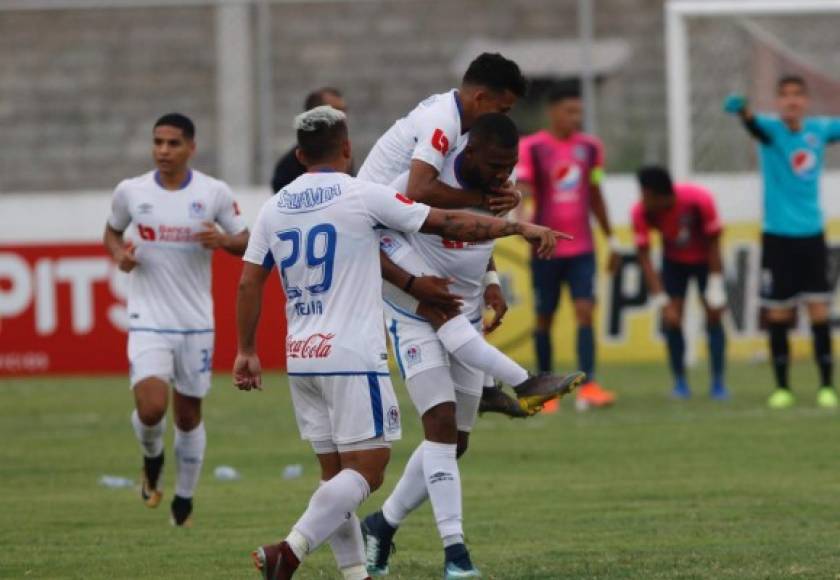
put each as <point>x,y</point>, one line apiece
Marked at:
<point>321,232</point>
<point>419,143</point>
<point>434,380</point>
<point>175,211</point>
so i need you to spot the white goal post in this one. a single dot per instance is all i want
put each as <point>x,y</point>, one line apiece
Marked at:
<point>678,73</point>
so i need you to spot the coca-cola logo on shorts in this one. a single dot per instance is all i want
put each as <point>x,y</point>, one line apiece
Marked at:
<point>316,346</point>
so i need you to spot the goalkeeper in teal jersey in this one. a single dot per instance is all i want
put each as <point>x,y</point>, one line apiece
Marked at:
<point>794,254</point>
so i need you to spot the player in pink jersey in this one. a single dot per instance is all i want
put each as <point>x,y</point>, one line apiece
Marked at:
<point>562,169</point>
<point>690,228</point>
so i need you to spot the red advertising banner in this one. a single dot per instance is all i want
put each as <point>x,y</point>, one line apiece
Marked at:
<point>62,310</point>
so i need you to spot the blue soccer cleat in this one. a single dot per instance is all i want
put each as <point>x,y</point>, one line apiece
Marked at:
<point>378,535</point>
<point>719,392</point>
<point>681,390</point>
<point>458,563</point>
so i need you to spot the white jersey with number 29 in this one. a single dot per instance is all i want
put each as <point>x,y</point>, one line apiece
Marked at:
<point>427,133</point>
<point>321,231</point>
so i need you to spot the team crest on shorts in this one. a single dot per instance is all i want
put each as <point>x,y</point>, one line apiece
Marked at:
<point>197,209</point>
<point>393,423</point>
<point>413,356</point>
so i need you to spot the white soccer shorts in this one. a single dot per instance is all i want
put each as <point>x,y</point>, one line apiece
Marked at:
<point>184,360</point>
<point>345,408</point>
<point>418,348</point>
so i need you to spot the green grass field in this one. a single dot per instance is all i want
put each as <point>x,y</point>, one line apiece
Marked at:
<point>649,489</point>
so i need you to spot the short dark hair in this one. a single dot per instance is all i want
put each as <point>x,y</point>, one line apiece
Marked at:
<point>178,121</point>
<point>316,97</point>
<point>323,142</point>
<point>495,72</point>
<point>791,79</point>
<point>495,128</point>
<point>656,179</point>
<point>559,92</point>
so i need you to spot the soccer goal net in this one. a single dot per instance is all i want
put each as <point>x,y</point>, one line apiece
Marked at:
<point>715,47</point>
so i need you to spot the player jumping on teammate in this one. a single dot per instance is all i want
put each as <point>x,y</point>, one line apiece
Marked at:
<point>175,210</point>
<point>419,144</point>
<point>321,233</point>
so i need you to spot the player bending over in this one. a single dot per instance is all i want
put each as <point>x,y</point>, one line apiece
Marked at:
<point>688,223</point>
<point>794,258</point>
<point>445,391</point>
<point>175,210</point>
<point>321,232</point>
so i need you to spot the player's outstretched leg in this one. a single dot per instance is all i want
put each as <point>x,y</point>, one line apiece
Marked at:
<point>460,338</point>
<point>149,423</point>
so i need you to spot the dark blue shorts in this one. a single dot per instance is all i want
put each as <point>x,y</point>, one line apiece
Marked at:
<point>676,276</point>
<point>548,277</point>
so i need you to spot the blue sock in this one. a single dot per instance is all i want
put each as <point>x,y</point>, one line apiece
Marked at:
<point>586,351</point>
<point>717,352</point>
<point>676,352</point>
<point>542,341</point>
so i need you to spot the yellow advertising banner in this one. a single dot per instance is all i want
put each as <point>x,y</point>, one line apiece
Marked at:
<point>626,327</point>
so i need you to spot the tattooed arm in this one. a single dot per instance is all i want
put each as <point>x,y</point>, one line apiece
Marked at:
<point>469,227</point>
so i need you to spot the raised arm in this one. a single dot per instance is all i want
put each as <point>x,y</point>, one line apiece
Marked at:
<point>738,105</point>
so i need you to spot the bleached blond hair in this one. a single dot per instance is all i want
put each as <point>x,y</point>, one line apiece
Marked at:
<point>323,115</point>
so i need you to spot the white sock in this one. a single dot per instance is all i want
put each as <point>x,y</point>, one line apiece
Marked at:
<point>443,481</point>
<point>348,546</point>
<point>357,572</point>
<point>467,345</point>
<point>150,437</point>
<point>329,508</point>
<point>410,491</point>
<point>189,455</point>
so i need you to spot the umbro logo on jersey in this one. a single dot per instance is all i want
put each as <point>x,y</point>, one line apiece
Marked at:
<point>145,208</point>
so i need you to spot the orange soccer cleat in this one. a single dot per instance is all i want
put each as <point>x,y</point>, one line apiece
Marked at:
<point>593,395</point>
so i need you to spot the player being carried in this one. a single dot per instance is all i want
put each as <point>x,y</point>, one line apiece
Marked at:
<point>445,391</point>
<point>794,258</point>
<point>321,232</point>
<point>419,144</point>
<point>170,308</point>
<point>687,219</point>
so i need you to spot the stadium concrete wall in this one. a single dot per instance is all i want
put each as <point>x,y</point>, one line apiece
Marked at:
<point>62,300</point>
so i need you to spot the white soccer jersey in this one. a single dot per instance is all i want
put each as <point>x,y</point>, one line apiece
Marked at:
<point>169,289</point>
<point>427,133</point>
<point>464,262</point>
<point>321,231</point>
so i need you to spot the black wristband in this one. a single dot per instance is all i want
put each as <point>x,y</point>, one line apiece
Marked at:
<point>407,287</point>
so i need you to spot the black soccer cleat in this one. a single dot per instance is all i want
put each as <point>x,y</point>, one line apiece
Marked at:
<point>182,508</point>
<point>149,493</point>
<point>379,543</point>
<point>495,400</point>
<point>535,391</point>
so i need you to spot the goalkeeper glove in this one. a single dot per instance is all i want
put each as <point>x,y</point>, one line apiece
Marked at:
<point>715,294</point>
<point>734,104</point>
